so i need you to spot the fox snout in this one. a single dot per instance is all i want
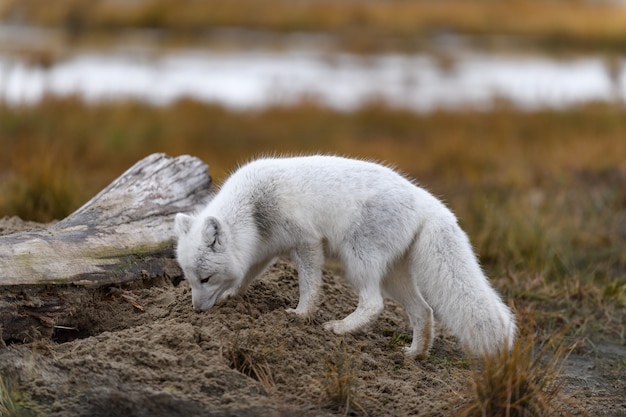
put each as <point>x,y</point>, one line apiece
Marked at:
<point>200,305</point>
<point>200,308</point>
<point>201,301</point>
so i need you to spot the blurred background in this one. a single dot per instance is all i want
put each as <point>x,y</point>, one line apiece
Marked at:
<point>449,91</point>
<point>513,111</point>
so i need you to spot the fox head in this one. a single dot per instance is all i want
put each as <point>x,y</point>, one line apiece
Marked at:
<point>202,252</point>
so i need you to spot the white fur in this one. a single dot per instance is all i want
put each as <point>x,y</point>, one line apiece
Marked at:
<point>391,236</point>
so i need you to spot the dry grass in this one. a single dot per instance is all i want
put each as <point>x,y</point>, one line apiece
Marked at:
<point>521,383</point>
<point>340,384</point>
<point>250,358</point>
<point>359,25</point>
<point>507,151</point>
<point>41,190</point>
<point>11,402</point>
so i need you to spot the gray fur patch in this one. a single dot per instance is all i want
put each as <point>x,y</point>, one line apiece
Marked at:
<point>264,214</point>
<point>265,209</point>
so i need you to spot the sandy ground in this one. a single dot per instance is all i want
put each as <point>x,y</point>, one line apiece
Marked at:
<point>144,352</point>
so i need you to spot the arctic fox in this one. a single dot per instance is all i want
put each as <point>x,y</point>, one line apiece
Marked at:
<point>392,237</point>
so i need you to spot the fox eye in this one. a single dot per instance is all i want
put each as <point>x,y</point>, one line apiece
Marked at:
<point>205,280</point>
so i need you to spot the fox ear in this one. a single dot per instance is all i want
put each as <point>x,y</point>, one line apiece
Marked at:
<point>182,224</point>
<point>212,232</point>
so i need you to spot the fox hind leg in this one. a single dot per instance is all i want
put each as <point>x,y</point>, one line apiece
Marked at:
<point>400,286</point>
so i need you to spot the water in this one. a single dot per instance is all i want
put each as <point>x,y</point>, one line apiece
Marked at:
<point>254,79</point>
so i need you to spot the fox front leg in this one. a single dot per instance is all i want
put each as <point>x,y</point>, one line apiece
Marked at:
<point>309,261</point>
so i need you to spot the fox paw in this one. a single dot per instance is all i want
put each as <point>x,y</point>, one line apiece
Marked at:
<point>299,313</point>
<point>336,326</point>
<point>414,352</point>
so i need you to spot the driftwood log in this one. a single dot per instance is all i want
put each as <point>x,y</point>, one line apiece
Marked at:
<point>123,234</point>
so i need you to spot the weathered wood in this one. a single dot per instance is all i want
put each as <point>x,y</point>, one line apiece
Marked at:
<point>123,234</point>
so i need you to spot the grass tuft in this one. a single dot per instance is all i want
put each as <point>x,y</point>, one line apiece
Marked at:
<point>247,357</point>
<point>11,400</point>
<point>521,383</point>
<point>340,381</point>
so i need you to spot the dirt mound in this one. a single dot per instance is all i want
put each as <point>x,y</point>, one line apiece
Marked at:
<point>145,352</point>
<point>245,357</point>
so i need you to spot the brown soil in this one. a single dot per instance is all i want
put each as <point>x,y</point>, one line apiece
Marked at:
<point>144,352</point>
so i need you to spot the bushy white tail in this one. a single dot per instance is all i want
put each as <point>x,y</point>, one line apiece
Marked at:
<point>453,284</point>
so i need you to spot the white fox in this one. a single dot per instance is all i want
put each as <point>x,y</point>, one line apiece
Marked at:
<point>392,237</point>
